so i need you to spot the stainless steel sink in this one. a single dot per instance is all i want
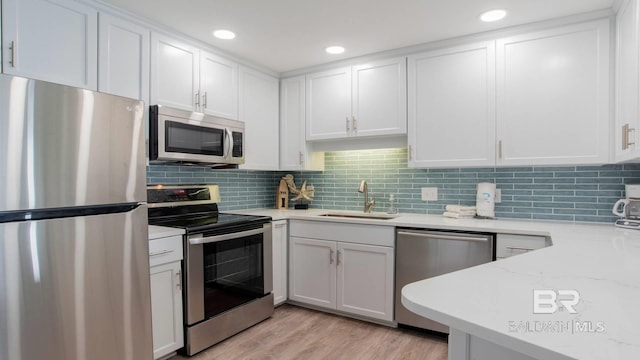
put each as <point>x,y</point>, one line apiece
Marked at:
<point>360,216</point>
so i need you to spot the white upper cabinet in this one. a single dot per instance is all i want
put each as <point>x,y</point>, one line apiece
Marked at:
<point>185,77</point>
<point>329,104</point>
<point>379,93</point>
<point>366,100</point>
<point>294,152</point>
<point>553,96</point>
<point>218,86</point>
<point>123,58</point>
<point>259,111</point>
<point>626,134</point>
<point>54,41</point>
<point>452,107</point>
<point>175,73</point>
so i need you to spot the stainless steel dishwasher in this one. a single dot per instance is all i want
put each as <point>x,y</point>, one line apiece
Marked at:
<point>422,254</point>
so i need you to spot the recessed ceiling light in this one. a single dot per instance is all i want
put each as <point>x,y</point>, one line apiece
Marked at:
<point>334,49</point>
<point>224,34</point>
<point>493,15</point>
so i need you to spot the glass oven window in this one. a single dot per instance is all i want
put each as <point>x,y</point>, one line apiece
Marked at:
<point>192,139</point>
<point>233,273</point>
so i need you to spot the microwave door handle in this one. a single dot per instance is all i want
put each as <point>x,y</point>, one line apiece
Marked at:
<point>229,143</point>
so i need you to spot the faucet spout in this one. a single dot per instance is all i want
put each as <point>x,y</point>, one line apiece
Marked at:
<point>368,204</point>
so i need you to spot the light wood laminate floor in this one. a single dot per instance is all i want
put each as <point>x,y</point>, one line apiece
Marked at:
<point>297,333</point>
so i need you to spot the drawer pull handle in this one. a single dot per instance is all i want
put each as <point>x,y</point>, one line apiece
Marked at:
<point>161,252</point>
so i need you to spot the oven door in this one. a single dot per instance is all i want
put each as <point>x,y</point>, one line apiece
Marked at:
<point>226,268</point>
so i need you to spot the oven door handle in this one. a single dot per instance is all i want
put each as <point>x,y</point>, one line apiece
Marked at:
<point>198,239</point>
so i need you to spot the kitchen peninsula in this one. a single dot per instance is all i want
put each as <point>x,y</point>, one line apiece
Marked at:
<point>490,308</point>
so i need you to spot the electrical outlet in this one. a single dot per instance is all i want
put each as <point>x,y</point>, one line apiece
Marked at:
<point>498,198</point>
<point>429,194</point>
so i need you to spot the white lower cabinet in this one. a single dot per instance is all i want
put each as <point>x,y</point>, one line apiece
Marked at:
<point>280,235</point>
<point>508,245</point>
<point>350,277</point>
<point>165,257</point>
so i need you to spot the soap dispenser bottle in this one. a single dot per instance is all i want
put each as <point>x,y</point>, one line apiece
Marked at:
<point>392,209</point>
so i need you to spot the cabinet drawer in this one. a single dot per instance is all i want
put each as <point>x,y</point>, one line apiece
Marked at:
<point>509,245</point>
<point>354,233</point>
<point>165,250</point>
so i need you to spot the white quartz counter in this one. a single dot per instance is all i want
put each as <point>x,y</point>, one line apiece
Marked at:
<point>494,301</point>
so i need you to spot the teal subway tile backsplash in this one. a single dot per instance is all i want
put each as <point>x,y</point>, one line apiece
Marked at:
<point>566,193</point>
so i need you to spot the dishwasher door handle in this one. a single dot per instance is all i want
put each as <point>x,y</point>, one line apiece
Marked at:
<point>439,236</point>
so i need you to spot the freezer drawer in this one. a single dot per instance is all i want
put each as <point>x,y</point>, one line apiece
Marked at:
<point>422,254</point>
<point>76,288</point>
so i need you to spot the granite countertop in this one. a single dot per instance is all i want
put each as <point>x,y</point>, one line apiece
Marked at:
<point>494,301</point>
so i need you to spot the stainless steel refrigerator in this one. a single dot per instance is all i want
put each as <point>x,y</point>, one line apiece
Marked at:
<point>74,267</point>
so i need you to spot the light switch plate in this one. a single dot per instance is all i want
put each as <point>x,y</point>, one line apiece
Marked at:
<point>429,194</point>
<point>498,197</point>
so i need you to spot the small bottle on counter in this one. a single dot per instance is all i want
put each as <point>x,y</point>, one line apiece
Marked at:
<point>392,209</point>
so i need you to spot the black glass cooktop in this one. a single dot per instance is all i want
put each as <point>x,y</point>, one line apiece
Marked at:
<point>200,221</point>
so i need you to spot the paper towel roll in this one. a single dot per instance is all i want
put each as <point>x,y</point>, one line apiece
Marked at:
<point>485,199</point>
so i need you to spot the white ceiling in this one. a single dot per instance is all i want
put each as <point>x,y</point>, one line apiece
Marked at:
<point>285,35</point>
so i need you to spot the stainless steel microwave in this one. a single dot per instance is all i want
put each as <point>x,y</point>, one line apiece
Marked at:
<point>191,137</point>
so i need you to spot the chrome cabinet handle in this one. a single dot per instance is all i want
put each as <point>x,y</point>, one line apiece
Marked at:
<point>500,149</point>
<point>197,99</point>
<point>179,280</point>
<point>347,122</point>
<point>355,124</point>
<point>410,152</point>
<point>338,259</point>
<point>204,100</point>
<point>13,49</point>
<point>161,252</point>
<point>626,130</point>
<point>301,155</point>
<point>330,256</point>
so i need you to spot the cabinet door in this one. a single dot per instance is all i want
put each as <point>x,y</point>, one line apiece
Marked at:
<point>51,40</point>
<point>279,262</point>
<point>627,96</point>
<point>218,86</point>
<point>312,271</point>
<point>365,280</point>
<point>553,96</point>
<point>379,104</point>
<point>119,74</point>
<point>292,152</point>
<point>259,111</point>
<point>452,107</point>
<point>166,308</point>
<point>174,73</point>
<point>329,104</point>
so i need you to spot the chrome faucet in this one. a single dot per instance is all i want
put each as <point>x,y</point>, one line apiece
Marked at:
<point>368,204</point>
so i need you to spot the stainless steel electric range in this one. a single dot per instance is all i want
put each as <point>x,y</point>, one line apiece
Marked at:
<point>227,268</point>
